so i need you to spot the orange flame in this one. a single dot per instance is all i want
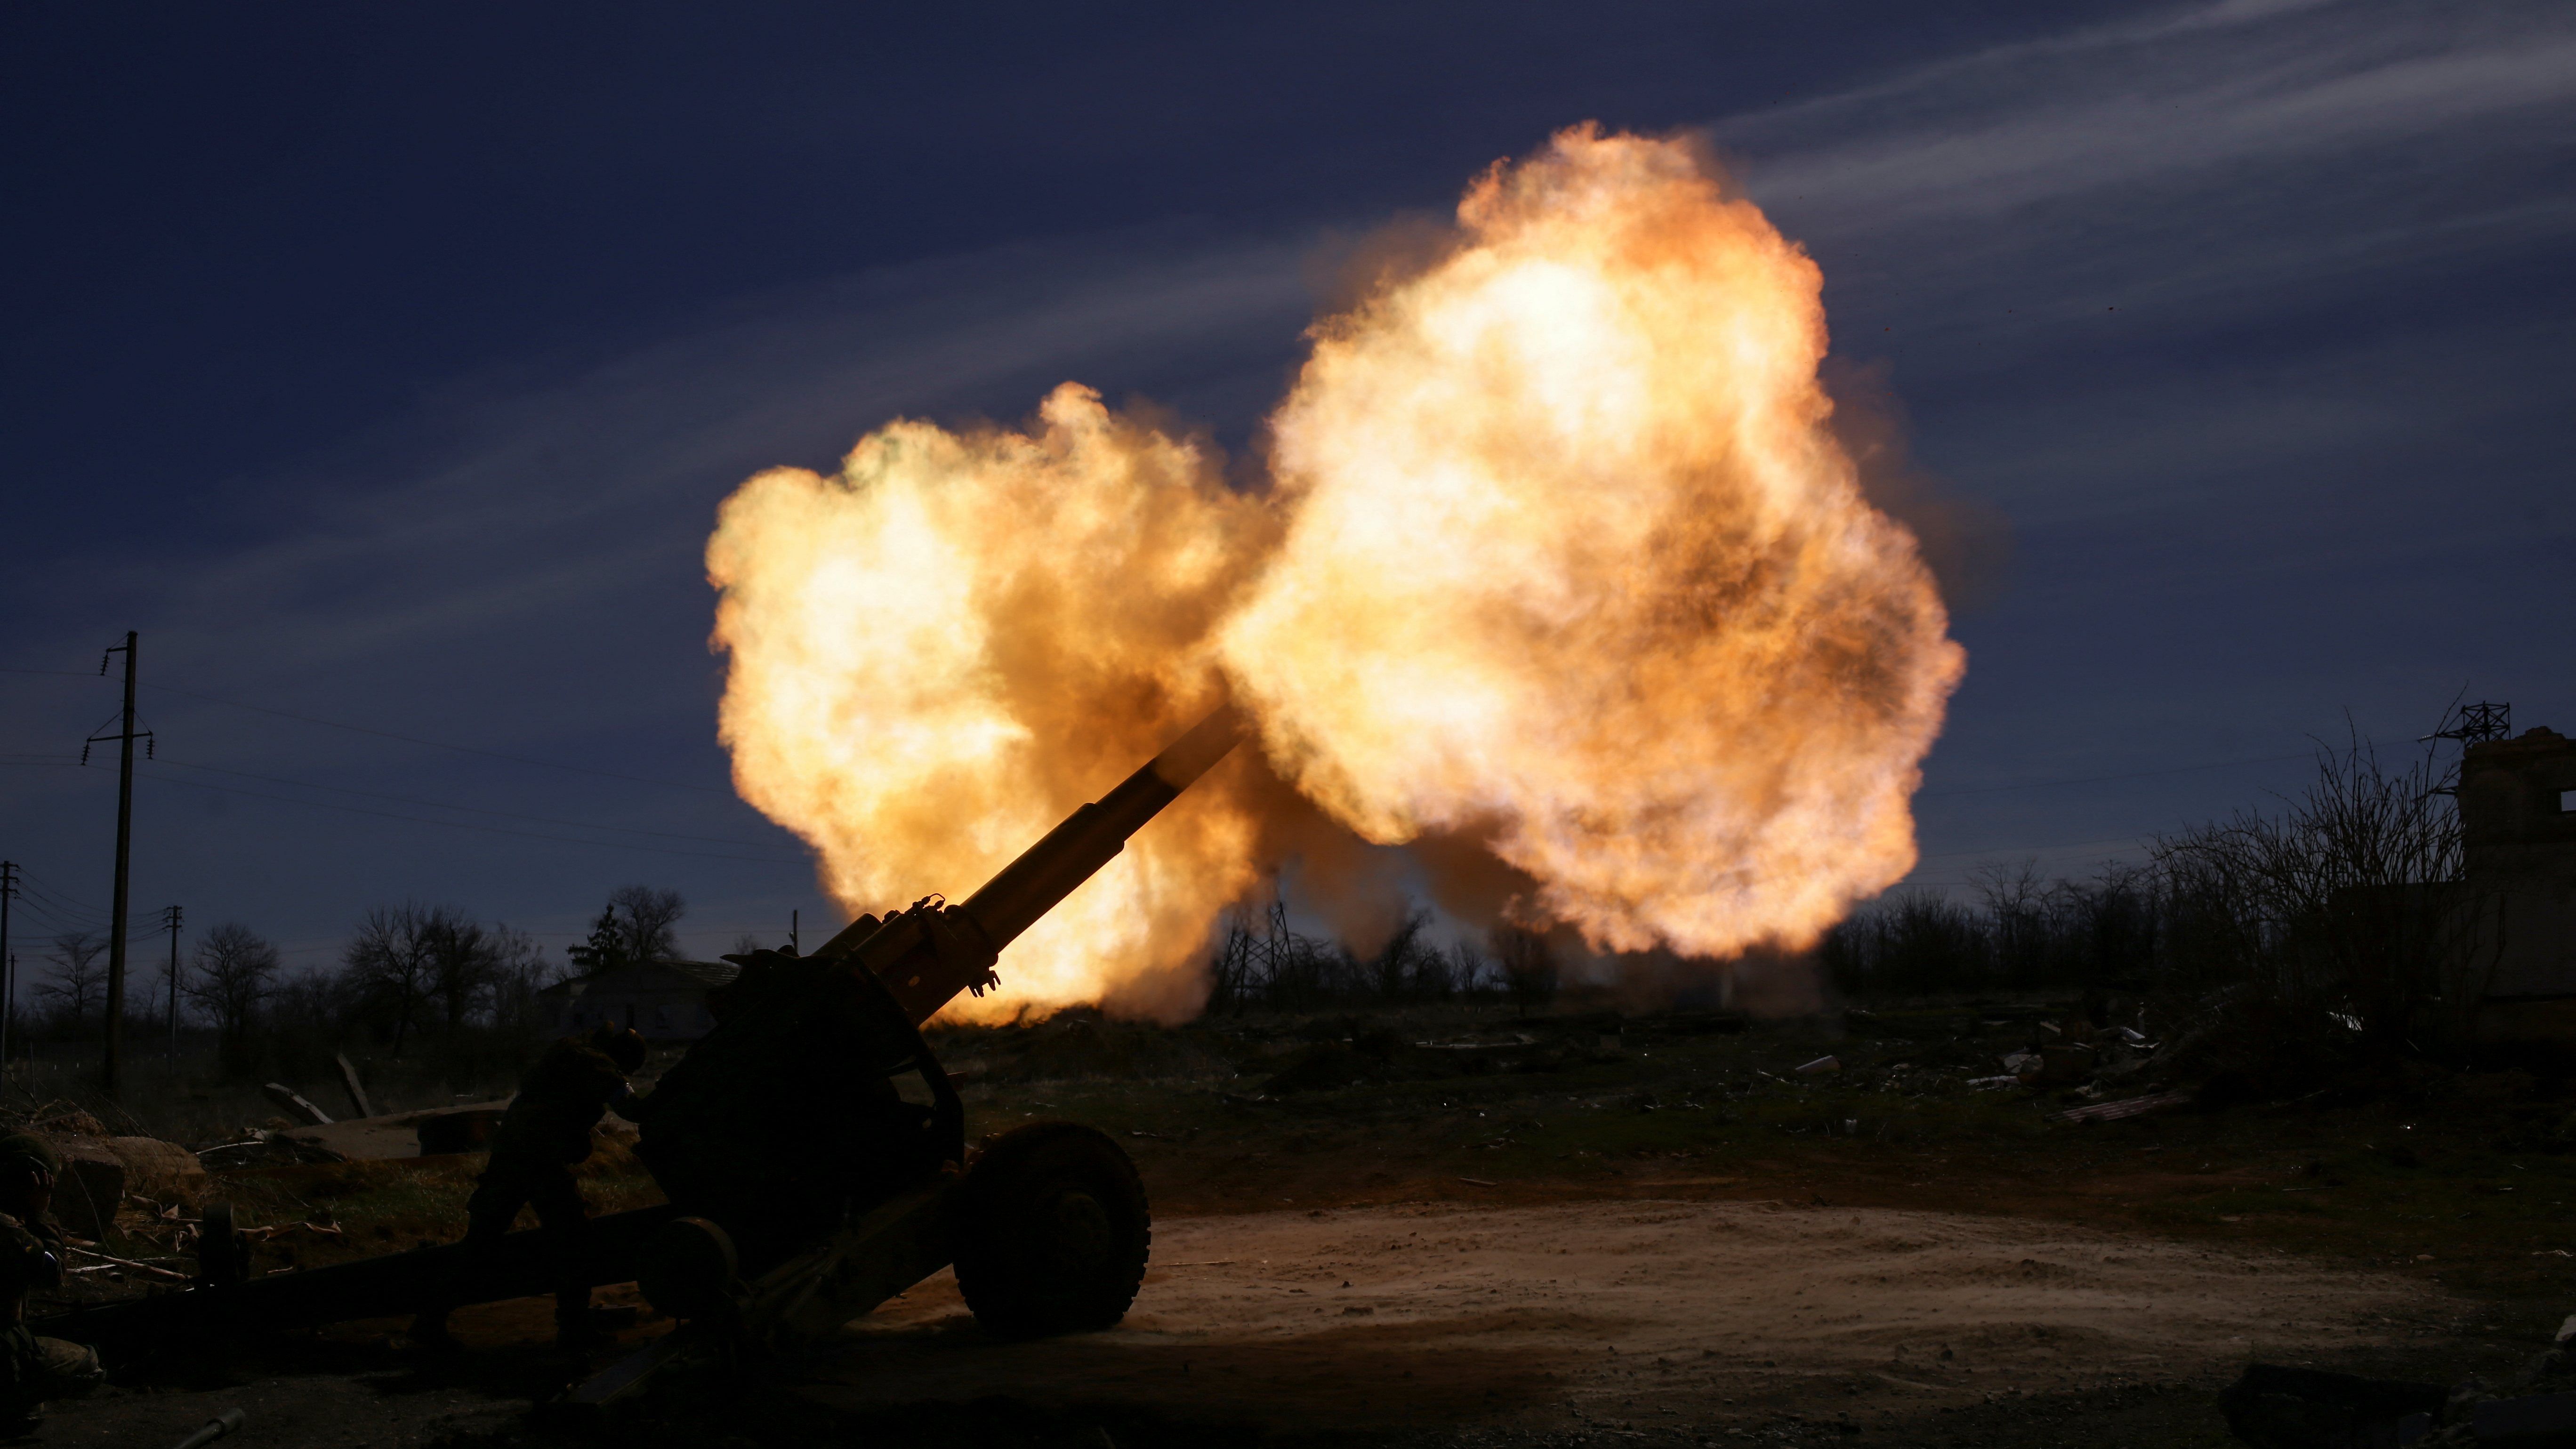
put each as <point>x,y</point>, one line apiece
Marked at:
<point>1575,565</point>
<point>1560,556</point>
<point>941,651</point>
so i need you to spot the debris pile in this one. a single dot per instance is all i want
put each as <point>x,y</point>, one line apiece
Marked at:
<point>135,1194</point>
<point>313,1136</point>
<point>1355,1054</point>
<point>2096,1062</point>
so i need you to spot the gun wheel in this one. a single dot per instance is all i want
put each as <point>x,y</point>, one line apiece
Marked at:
<point>223,1254</point>
<point>1051,1231</point>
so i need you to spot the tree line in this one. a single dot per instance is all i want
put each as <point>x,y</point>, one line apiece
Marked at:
<point>1263,962</point>
<point>408,975</point>
<point>2347,901</point>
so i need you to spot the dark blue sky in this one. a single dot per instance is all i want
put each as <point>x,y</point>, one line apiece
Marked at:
<point>383,366</point>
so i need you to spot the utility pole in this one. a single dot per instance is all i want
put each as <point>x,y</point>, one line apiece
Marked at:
<point>125,737</point>
<point>8,963</point>
<point>170,923</point>
<point>792,943</point>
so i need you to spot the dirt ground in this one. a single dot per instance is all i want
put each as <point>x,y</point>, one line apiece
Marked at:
<point>1673,1317</point>
<point>1680,1242</point>
<point>1677,1319</point>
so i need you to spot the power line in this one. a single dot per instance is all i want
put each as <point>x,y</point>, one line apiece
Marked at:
<point>468,809</point>
<point>59,924</point>
<point>484,829</point>
<point>438,744</point>
<point>59,895</point>
<point>63,673</point>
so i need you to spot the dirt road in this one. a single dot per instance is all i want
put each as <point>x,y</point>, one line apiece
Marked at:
<point>1640,1315</point>
<point>1680,1320</point>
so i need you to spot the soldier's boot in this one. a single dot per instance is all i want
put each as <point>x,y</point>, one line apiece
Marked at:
<point>577,1329</point>
<point>54,1369</point>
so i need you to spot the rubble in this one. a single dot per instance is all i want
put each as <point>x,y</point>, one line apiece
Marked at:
<point>289,1100</point>
<point>356,1088</point>
<point>1383,1056</point>
<point>90,1186</point>
<point>163,1171</point>
<point>434,1132</point>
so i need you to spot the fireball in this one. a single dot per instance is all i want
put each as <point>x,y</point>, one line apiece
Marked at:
<point>1558,555</point>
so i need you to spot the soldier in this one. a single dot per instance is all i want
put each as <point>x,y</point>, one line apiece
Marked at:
<point>32,1369</point>
<point>544,1135</point>
<point>783,1119</point>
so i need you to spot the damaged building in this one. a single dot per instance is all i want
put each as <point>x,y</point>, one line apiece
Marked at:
<point>2518,836</point>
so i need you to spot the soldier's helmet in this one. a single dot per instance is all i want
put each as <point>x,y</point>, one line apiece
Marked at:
<point>26,1152</point>
<point>621,1044</point>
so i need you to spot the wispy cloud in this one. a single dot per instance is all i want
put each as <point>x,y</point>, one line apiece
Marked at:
<point>2273,84</point>
<point>516,566</point>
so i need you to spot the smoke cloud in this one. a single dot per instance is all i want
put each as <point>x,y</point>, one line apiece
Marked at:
<point>1560,577</point>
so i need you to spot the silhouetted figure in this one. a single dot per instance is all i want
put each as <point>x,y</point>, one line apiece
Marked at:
<point>540,1140</point>
<point>32,1369</point>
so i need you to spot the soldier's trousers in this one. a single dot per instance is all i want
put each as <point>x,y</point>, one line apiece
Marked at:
<point>34,1370</point>
<point>563,1221</point>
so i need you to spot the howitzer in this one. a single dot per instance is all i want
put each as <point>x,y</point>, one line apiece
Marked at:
<point>804,1190</point>
<point>926,955</point>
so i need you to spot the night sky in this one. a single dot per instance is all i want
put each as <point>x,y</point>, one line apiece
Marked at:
<point>384,364</point>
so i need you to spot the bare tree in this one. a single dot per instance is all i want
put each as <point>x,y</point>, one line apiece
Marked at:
<point>519,972</point>
<point>2349,898</point>
<point>393,963</point>
<point>1467,967</point>
<point>1528,966</point>
<point>645,916</point>
<point>78,986</point>
<point>230,973</point>
<point>1395,970</point>
<point>2017,902</point>
<point>464,965</point>
<point>311,1002</point>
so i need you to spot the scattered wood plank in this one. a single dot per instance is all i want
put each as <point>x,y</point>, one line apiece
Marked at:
<point>2127,1107</point>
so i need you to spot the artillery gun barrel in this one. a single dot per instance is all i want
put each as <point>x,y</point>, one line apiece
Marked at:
<point>905,951</point>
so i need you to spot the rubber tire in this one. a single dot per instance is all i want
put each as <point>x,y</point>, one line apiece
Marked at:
<point>223,1254</point>
<point>688,1269</point>
<point>1051,1231</point>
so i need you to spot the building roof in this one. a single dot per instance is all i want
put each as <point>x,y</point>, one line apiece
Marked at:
<point>710,974</point>
<point>697,975</point>
<point>648,975</point>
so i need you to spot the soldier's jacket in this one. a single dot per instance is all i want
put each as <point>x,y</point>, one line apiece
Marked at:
<point>24,1246</point>
<point>559,1102</point>
<point>785,1109</point>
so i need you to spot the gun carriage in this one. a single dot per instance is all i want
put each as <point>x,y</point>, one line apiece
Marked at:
<point>804,1189</point>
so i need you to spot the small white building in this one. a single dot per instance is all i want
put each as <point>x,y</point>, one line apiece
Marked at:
<point>661,1000</point>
